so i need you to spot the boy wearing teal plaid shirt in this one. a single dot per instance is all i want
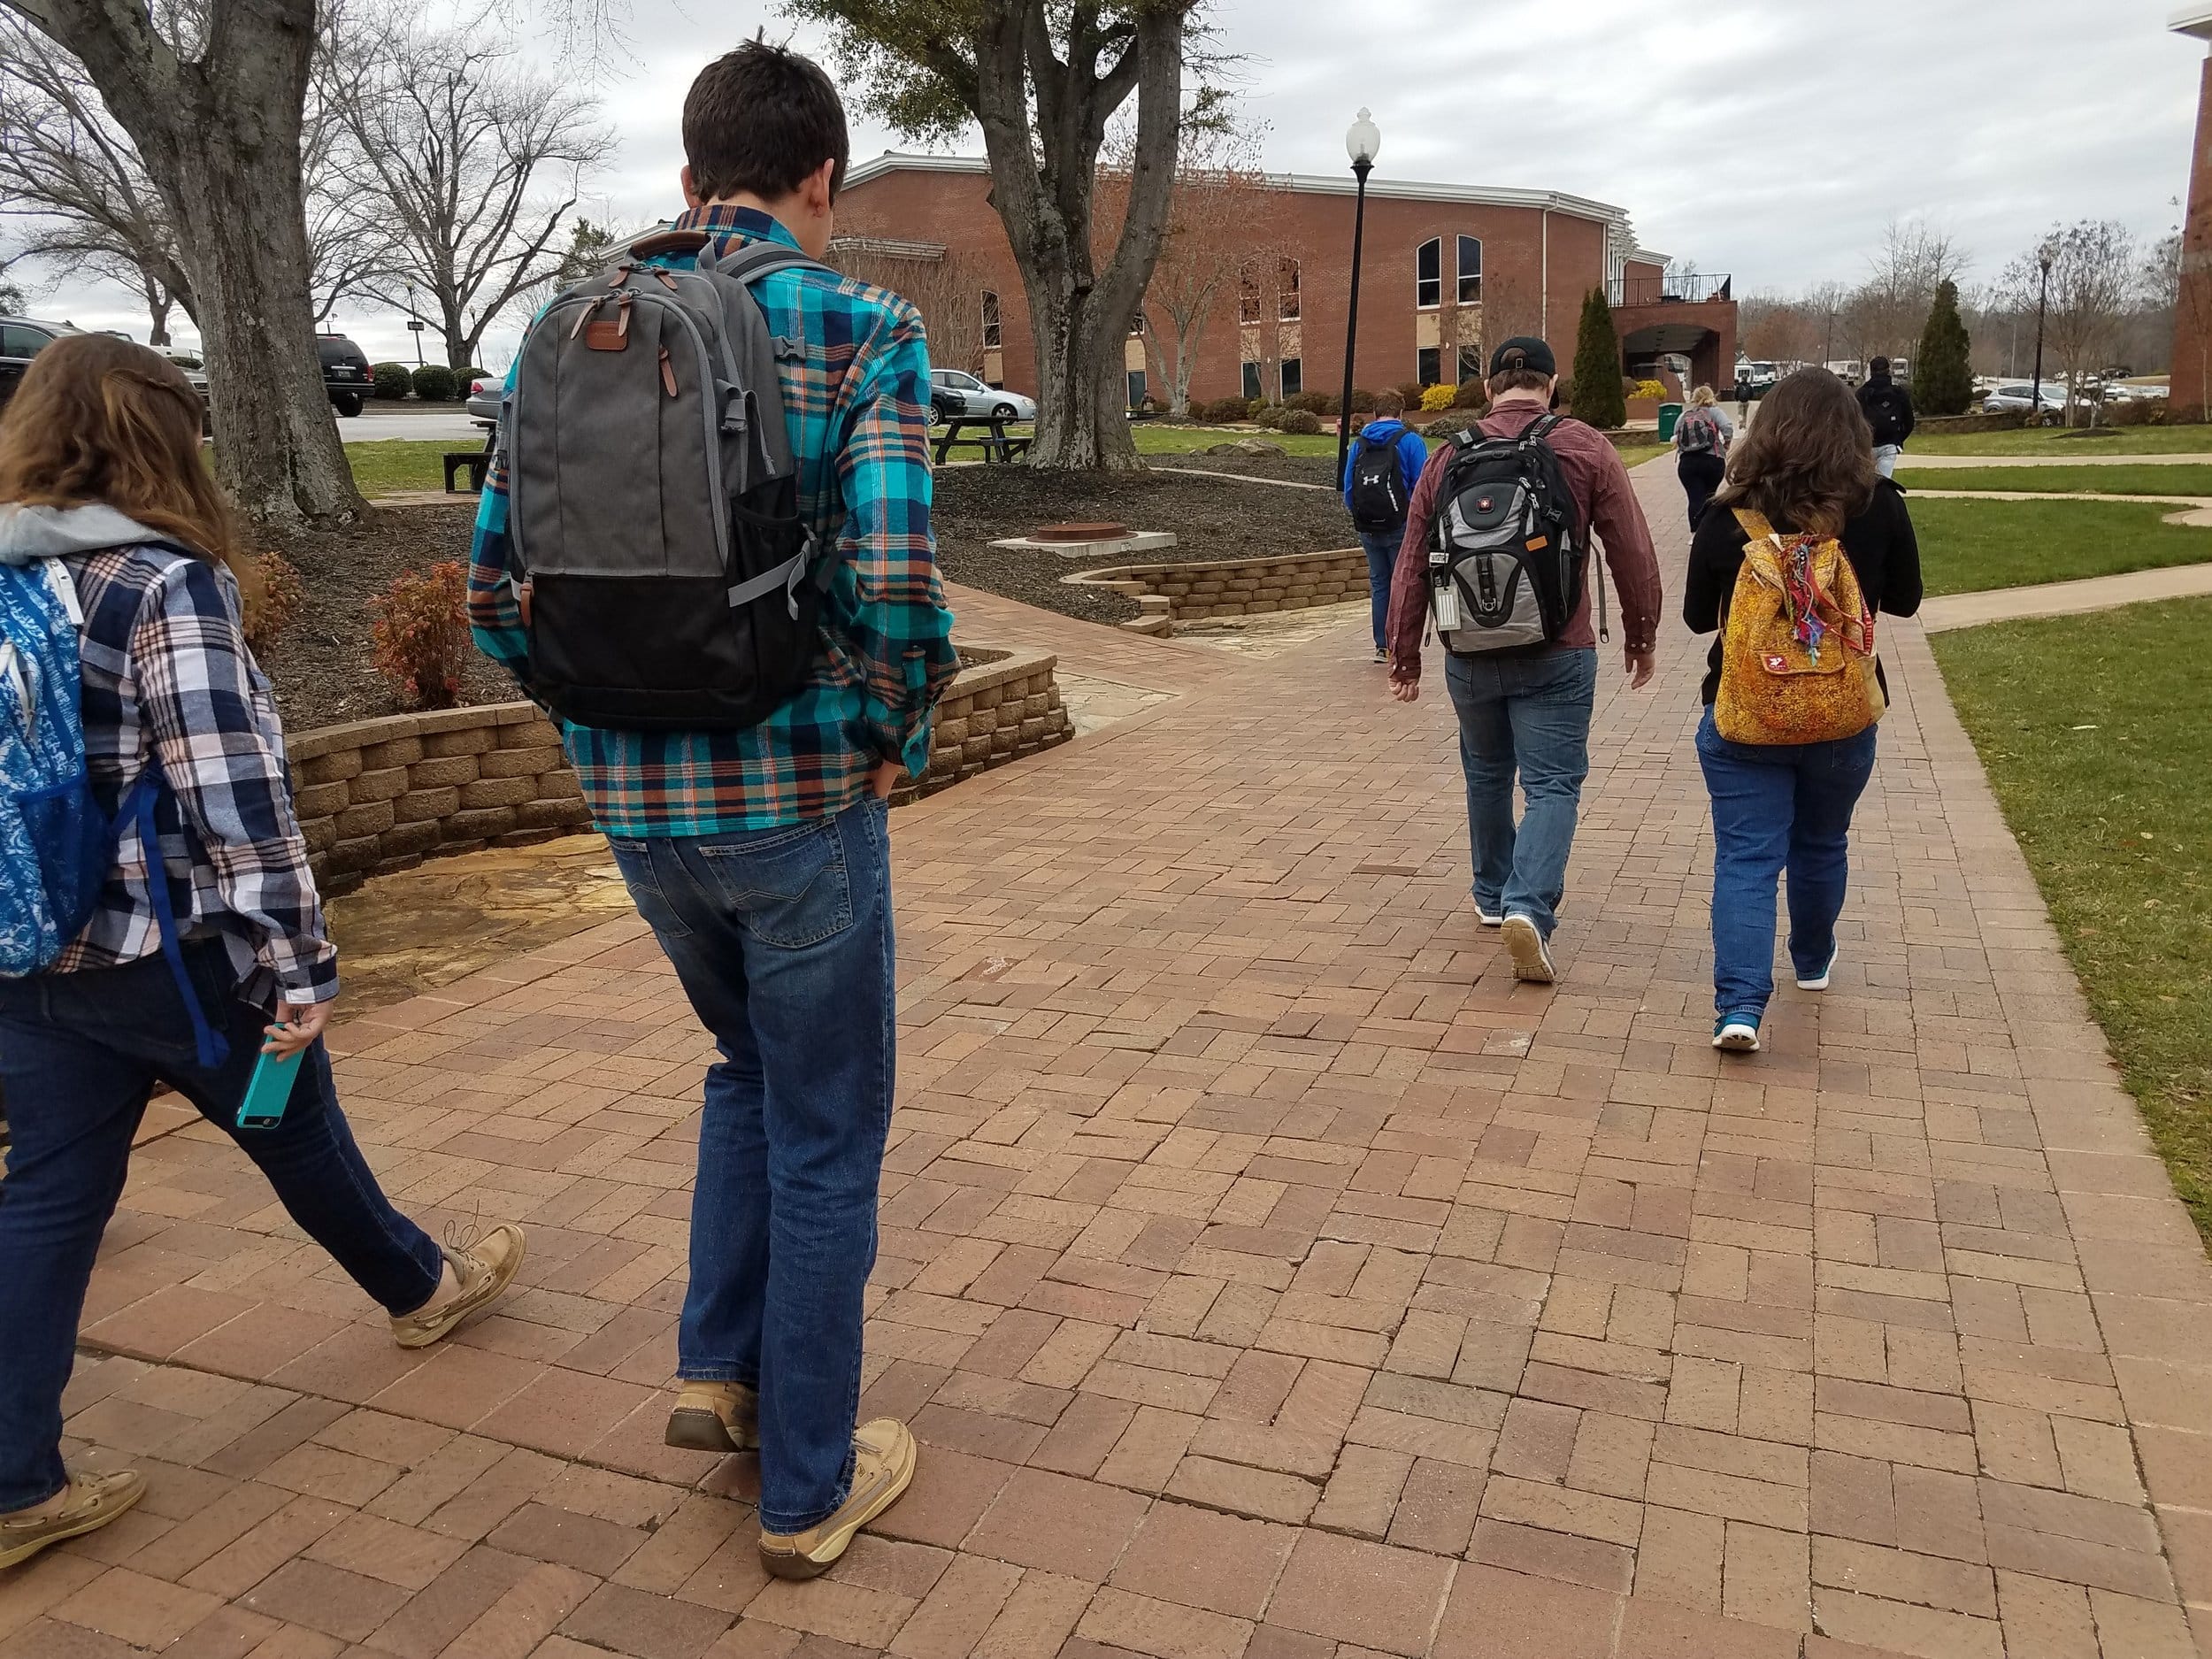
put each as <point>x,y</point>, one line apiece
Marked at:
<point>760,856</point>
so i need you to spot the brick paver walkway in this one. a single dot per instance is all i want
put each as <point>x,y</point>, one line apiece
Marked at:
<point>1264,1273</point>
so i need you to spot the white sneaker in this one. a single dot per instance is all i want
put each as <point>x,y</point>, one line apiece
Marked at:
<point>1819,982</point>
<point>1737,1033</point>
<point>1532,955</point>
<point>1485,917</point>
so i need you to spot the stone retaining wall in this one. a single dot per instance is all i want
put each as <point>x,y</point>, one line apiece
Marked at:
<point>1241,587</point>
<point>2003,420</point>
<point>381,795</point>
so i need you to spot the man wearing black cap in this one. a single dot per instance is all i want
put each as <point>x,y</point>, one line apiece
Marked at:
<point>1526,712</point>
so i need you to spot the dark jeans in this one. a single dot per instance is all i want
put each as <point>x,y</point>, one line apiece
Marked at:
<point>1701,472</point>
<point>1776,807</point>
<point>1530,716</point>
<point>782,940</point>
<point>80,1053</point>
<point>1382,563</point>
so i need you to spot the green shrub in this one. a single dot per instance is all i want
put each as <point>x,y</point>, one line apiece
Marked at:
<point>466,378</point>
<point>1303,421</point>
<point>1411,391</point>
<point>1650,392</point>
<point>434,383</point>
<point>1471,394</point>
<point>1363,402</point>
<point>1596,389</point>
<point>393,381</point>
<point>1943,367</point>
<point>1254,407</point>
<point>1436,399</point>
<point>1313,403</point>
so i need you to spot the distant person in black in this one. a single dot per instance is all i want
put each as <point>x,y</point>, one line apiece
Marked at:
<point>1743,396</point>
<point>1888,407</point>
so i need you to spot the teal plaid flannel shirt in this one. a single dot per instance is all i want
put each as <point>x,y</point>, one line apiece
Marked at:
<point>858,401</point>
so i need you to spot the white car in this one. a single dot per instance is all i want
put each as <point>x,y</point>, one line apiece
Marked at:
<point>955,391</point>
<point>2018,397</point>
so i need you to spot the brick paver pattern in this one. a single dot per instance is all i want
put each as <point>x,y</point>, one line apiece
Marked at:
<point>1263,1271</point>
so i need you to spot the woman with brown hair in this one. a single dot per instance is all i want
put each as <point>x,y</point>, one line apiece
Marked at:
<point>206,946</point>
<point>1806,467</point>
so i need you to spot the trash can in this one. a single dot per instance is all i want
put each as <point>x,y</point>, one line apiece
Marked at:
<point>1669,415</point>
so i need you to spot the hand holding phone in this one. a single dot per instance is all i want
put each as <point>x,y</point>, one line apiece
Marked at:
<point>270,1089</point>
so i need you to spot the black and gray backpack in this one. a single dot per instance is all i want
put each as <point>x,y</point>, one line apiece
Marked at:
<point>665,578</point>
<point>1505,556</point>
<point>1377,492</point>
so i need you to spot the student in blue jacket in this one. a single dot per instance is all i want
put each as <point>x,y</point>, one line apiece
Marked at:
<point>1380,469</point>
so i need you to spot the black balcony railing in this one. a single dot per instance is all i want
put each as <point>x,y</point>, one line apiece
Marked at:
<point>1672,290</point>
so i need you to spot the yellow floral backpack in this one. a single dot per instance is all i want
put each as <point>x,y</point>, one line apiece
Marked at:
<point>1797,661</point>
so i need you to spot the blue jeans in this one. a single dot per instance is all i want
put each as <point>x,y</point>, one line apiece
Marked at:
<point>1530,715</point>
<point>80,1053</point>
<point>1382,565</point>
<point>782,940</point>
<point>1785,806</point>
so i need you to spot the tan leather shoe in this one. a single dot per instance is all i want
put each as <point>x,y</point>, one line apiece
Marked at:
<point>883,1467</point>
<point>715,1416</point>
<point>90,1503</point>
<point>484,1269</point>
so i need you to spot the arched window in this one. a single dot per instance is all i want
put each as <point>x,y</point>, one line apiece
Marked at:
<point>1428,274</point>
<point>1469,271</point>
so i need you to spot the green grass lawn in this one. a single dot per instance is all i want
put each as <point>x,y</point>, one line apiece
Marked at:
<point>2098,737</point>
<point>1968,547</point>
<point>2053,440</point>
<point>397,464</point>
<point>2087,481</point>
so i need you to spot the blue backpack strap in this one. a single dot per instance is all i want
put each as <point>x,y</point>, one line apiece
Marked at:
<point>209,1046</point>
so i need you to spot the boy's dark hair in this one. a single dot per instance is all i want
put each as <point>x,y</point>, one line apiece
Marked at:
<point>1519,380</point>
<point>760,120</point>
<point>1880,366</point>
<point>1388,405</point>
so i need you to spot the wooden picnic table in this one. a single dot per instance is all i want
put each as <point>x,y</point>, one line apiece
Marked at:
<point>995,443</point>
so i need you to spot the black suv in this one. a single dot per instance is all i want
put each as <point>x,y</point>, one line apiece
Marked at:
<point>20,341</point>
<point>346,376</point>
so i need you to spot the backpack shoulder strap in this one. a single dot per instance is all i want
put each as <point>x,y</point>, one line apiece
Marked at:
<point>1542,428</point>
<point>758,260</point>
<point>1754,524</point>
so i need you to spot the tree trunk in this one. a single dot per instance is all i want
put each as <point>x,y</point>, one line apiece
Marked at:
<point>158,304</point>
<point>219,135</point>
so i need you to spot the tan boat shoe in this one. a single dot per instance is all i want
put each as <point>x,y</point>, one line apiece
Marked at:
<point>484,1269</point>
<point>883,1467</point>
<point>91,1501</point>
<point>715,1416</point>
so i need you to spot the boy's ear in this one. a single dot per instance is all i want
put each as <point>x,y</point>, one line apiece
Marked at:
<point>816,190</point>
<point>691,196</point>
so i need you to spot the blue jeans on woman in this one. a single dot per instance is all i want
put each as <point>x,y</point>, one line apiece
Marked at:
<point>1382,564</point>
<point>1529,716</point>
<point>80,1054</point>
<point>782,940</point>
<point>1777,808</point>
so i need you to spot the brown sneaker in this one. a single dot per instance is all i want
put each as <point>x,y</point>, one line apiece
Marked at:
<point>883,1466</point>
<point>485,1269</point>
<point>715,1416</point>
<point>91,1501</point>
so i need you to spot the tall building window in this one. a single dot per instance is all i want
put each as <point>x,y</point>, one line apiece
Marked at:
<point>1249,306</point>
<point>1251,382</point>
<point>1432,365</point>
<point>1294,377</point>
<point>990,321</point>
<point>1428,274</point>
<point>1469,271</point>
<point>1470,364</point>
<point>1286,290</point>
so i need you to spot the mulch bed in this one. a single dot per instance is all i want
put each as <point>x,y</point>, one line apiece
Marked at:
<point>321,662</point>
<point>1212,518</point>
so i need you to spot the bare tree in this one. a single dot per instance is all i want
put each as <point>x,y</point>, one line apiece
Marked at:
<point>2094,278</point>
<point>1043,78</point>
<point>211,93</point>
<point>945,284</point>
<point>472,162</point>
<point>1891,305</point>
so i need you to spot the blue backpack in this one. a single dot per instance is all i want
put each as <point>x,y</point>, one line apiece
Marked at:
<point>57,847</point>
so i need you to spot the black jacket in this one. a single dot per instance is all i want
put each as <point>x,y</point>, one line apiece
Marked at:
<point>1879,542</point>
<point>1888,408</point>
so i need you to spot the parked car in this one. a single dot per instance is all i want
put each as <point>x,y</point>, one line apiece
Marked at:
<point>484,399</point>
<point>21,338</point>
<point>976,398</point>
<point>346,376</point>
<point>945,403</point>
<point>2016,397</point>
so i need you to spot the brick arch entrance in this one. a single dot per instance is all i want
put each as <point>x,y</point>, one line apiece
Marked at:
<point>1711,356</point>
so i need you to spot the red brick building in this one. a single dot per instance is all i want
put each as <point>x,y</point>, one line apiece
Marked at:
<point>1448,270</point>
<point>2193,316</point>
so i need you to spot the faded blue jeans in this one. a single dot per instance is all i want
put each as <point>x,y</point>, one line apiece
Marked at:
<point>1382,565</point>
<point>1777,808</point>
<point>80,1052</point>
<point>782,940</point>
<point>1529,716</point>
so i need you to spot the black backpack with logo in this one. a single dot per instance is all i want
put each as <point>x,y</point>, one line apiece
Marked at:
<point>1885,405</point>
<point>1505,557</point>
<point>1378,495</point>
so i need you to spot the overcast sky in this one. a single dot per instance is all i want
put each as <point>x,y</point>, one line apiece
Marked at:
<point>1774,139</point>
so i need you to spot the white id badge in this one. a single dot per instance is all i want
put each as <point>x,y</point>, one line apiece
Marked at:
<point>1446,607</point>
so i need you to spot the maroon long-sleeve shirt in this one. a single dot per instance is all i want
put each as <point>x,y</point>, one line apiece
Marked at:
<point>1604,501</point>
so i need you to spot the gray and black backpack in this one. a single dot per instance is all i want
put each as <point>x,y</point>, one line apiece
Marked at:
<point>665,578</point>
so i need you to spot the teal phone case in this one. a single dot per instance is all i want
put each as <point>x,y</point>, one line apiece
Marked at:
<point>270,1091</point>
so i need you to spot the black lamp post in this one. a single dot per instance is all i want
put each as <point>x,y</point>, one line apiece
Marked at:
<point>1362,144</point>
<point>2046,257</point>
